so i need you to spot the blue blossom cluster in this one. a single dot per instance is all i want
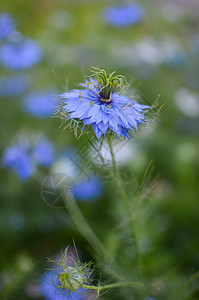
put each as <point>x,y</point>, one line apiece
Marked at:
<point>123,15</point>
<point>20,53</point>
<point>23,157</point>
<point>16,51</point>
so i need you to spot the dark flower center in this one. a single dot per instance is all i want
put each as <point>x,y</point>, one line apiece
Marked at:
<point>102,100</point>
<point>105,93</point>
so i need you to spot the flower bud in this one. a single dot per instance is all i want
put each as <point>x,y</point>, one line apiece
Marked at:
<point>71,278</point>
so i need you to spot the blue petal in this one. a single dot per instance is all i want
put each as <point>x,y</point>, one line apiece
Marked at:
<point>98,132</point>
<point>81,111</point>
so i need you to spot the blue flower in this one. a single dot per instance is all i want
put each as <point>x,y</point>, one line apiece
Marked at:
<point>40,105</point>
<point>23,158</point>
<point>7,25</point>
<point>43,153</point>
<point>101,105</point>
<point>49,290</point>
<point>17,157</point>
<point>88,189</point>
<point>123,15</point>
<point>20,53</point>
<point>13,86</point>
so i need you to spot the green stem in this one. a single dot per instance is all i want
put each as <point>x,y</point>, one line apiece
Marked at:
<point>87,232</point>
<point>127,206</point>
<point>84,228</point>
<point>113,286</point>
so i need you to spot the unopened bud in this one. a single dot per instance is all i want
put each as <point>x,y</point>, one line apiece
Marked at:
<point>71,278</point>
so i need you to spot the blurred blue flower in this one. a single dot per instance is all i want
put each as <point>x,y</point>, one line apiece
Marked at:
<point>88,189</point>
<point>43,153</point>
<point>17,221</point>
<point>13,86</point>
<point>7,25</point>
<point>113,112</point>
<point>49,281</point>
<point>20,53</point>
<point>41,104</point>
<point>23,158</point>
<point>123,15</point>
<point>17,158</point>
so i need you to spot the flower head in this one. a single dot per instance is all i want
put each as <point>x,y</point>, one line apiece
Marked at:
<point>67,280</point>
<point>7,25</point>
<point>20,53</point>
<point>102,105</point>
<point>123,15</point>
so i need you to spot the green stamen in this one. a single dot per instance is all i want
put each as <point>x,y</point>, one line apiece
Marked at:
<point>107,84</point>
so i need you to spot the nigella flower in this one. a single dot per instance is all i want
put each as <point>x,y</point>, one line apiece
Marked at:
<point>40,104</point>
<point>102,105</point>
<point>7,25</point>
<point>20,53</point>
<point>68,279</point>
<point>13,86</point>
<point>23,157</point>
<point>123,15</point>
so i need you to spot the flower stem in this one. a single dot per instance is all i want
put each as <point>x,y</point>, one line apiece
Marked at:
<point>113,285</point>
<point>127,207</point>
<point>84,228</point>
<point>87,232</point>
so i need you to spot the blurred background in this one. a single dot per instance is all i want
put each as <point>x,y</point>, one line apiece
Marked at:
<point>49,46</point>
